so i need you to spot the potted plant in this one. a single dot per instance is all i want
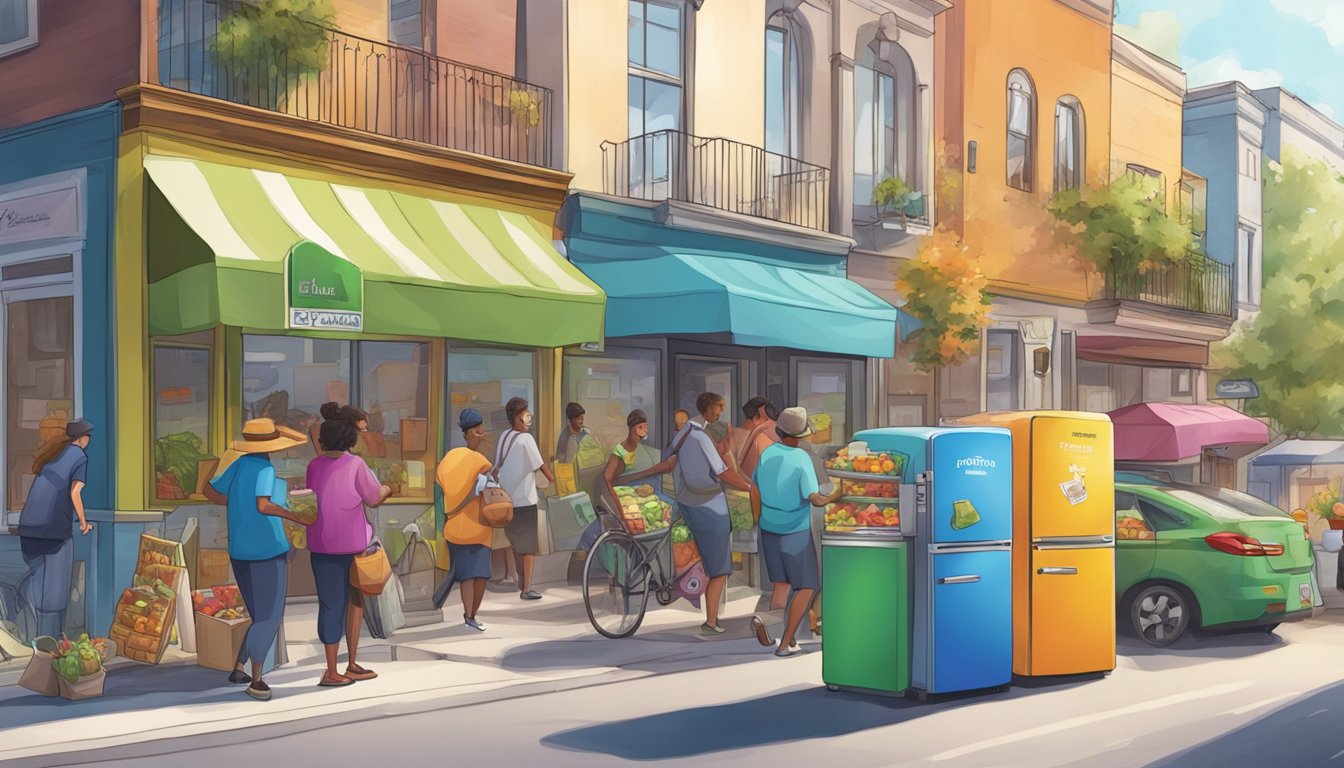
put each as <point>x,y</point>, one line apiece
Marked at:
<point>893,196</point>
<point>266,47</point>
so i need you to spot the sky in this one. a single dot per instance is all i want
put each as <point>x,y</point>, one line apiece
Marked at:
<point>1296,44</point>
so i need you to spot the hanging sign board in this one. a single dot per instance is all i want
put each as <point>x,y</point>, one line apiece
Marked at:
<point>326,292</point>
<point>1237,389</point>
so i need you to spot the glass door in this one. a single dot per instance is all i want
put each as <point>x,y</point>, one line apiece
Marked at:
<point>724,377</point>
<point>39,381</point>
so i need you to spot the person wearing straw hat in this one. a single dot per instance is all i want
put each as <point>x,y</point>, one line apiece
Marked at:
<point>784,489</point>
<point>258,548</point>
<point>46,524</point>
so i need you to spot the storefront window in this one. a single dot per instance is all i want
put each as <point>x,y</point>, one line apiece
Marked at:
<point>485,379</point>
<point>722,377</point>
<point>287,379</point>
<point>181,419</point>
<point>394,391</point>
<point>825,388</point>
<point>40,383</point>
<point>611,385</point>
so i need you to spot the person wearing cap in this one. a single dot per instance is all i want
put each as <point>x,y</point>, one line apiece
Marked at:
<point>46,524</point>
<point>784,490</point>
<point>258,548</point>
<point>461,476</point>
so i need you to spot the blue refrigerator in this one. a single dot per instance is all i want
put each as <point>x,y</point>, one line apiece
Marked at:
<point>961,553</point>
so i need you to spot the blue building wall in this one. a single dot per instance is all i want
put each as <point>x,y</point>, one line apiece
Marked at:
<point>86,139</point>
<point>1210,150</point>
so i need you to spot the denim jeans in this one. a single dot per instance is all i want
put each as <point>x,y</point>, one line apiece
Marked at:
<point>262,584</point>
<point>49,585</point>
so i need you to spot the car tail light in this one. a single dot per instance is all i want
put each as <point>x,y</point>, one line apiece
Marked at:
<point>1240,544</point>
<point>1276,608</point>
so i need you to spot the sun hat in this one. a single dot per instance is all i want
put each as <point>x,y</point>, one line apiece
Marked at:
<point>77,429</point>
<point>263,436</point>
<point>468,418</point>
<point>793,422</point>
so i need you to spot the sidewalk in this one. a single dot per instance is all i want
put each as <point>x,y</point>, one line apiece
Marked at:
<point>528,647</point>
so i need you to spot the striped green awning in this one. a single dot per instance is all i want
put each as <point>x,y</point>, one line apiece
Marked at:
<point>218,237</point>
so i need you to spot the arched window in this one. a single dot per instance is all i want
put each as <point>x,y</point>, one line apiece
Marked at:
<point>783,115</point>
<point>1021,131</point>
<point>1069,144</point>
<point>885,122</point>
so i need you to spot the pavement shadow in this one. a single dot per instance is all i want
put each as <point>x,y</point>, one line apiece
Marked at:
<point>1291,735</point>
<point>1198,648</point>
<point>745,724</point>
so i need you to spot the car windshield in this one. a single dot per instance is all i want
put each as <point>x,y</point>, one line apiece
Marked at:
<point>1213,507</point>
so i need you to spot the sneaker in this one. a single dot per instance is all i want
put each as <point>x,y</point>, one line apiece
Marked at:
<point>259,691</point>
<point>530,594</point>
<point>237,677</point>
<point>474,624</point>
<point>707,630</point>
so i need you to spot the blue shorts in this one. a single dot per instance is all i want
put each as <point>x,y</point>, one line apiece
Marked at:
<point>712,531</point>
<point>791,558</point>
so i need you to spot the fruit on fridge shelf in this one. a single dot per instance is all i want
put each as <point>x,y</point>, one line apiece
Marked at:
<point>890,464</point>
<point>869,489</point>
<point>851,515</point>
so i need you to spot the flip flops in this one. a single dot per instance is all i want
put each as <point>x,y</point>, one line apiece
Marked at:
<point>762,634</point>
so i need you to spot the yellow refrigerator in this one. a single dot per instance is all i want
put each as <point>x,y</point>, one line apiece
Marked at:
<point>1063,540</point>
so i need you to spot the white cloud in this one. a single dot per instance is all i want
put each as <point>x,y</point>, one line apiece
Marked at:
<point>1157,31</point>
<point>1328,15</point>
<point>1227,66</point>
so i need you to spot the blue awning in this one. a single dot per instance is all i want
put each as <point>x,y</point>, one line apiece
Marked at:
<point>907,323</point>
<point>1302,453</point>
<point>654,291</point>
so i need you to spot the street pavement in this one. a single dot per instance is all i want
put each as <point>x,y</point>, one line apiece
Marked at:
<point>550,694</point>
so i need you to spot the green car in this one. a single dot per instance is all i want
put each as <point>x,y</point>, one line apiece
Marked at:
<point>1192,557</point>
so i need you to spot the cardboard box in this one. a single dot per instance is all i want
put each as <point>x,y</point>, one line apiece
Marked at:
<point>218,641</point>
<point>213,568</point>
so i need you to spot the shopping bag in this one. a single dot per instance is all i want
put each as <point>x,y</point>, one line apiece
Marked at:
<point>370,571</point>
<point>383,614</point>
<point>415,572</point>
<point>39,676</point>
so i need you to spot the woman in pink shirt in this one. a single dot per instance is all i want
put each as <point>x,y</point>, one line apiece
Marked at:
<point>344,484</point>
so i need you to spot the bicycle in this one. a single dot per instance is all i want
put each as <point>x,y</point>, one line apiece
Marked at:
<point>620,572</point>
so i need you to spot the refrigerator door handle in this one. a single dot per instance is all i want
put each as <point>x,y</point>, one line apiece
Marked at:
<point>969,579</point>
<point>1057,571</point>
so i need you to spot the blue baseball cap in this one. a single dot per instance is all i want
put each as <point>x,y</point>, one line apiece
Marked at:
<point>468,418</point>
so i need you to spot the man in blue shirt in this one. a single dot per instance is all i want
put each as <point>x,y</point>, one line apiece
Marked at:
<point>258,548</point>
<point>782,495</point>
<point>704,508</point>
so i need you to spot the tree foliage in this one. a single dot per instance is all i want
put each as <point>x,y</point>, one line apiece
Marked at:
<point>945,290</point>
<point>270,44</point>
<point>1294,347</point>
<point>1122,226</point>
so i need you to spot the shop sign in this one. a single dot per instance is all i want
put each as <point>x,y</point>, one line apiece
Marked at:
<point>40,216</point>
<point>326,292</point>
<point>1236,389</point>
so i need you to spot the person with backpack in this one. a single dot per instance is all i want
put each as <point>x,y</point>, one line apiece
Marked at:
<point>344,486</point>
<point>517,460</point>
<point>698,473</point>
<point>461,475</point>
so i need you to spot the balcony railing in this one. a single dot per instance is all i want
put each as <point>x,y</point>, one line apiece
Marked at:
<point>718,173</point>
<point>1201,285</point>
<point>347,81</point>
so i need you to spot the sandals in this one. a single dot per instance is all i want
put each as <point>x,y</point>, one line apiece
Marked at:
<point>762,634</point>
<point>339,681</point>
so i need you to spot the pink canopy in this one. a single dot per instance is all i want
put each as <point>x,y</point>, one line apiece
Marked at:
<point>1175,431</point>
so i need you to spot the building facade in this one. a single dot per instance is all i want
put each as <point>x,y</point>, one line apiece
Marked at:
<point>416,192</point>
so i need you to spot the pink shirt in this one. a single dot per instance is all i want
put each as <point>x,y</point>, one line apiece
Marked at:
<point>343,486</point>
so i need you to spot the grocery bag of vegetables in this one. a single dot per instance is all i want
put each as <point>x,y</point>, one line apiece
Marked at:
<point>40,676</point>
<point>79,667</point>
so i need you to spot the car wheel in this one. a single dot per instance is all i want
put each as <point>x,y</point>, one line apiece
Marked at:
<point>1161,614</point>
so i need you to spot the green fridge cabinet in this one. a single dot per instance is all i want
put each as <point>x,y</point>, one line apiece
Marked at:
<point>865,640</point>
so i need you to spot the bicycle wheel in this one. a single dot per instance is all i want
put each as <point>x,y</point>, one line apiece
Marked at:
<point>616,585</point>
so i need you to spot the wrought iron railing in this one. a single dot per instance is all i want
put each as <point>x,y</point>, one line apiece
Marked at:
<point>339,79</point>
<point>1200,284</point>
<point>718,173</point>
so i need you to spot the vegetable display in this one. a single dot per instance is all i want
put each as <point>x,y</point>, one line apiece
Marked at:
<point>847,515</point>
<point>177,460</point>
<point>78,659</point>
<point>642,509</point>
<point>889,464</point>
<point>739,510</point>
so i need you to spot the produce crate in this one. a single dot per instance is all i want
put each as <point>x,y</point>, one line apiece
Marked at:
<point>747,541</point>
